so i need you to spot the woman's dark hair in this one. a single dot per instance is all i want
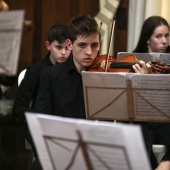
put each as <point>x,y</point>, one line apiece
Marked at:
<point>148,28</point>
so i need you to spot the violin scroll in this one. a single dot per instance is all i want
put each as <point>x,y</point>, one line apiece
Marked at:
<point>158,68</point>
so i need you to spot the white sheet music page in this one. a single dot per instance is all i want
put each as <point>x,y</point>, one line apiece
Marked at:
<point>151,97</point>
<point>11,25</point>
<point>127,96</point>
<point>84,144</point>
<point>104,93</point>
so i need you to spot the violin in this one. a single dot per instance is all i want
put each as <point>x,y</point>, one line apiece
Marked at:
<point>107,63</point>
<point>123,64</point>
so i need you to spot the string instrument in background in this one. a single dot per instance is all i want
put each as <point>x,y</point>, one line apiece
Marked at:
<point>107,63</point>
<point>124,64</point>
<point>157,67</point>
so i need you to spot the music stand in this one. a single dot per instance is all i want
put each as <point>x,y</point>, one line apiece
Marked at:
<point>11,25</point>
<point>69,144</point>
<point>127,96</point>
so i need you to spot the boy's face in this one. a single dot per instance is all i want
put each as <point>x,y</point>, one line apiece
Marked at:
<point>59,52</point>
<point>84,50</point>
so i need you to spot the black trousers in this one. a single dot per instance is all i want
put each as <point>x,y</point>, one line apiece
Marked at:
<point>156,133</point>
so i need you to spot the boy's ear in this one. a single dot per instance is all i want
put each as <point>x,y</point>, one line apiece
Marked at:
<point>47,44</point>
<point>69,44</point>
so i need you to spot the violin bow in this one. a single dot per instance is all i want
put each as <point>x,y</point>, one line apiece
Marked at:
<point>110,41</point>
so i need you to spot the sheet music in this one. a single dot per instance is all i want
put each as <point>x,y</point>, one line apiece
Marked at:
<point>38,140</point>
<point>105,93</point>
<point>151,96</point>
<point>127,96</point>
<point>72,143</point>
<point>11,23</point>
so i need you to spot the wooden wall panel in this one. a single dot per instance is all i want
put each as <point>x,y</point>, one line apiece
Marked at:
<point>80,7</point>
<point>56,11</point>
<point>89,7</point>
<point>53,12</point>
<point>37,34</point>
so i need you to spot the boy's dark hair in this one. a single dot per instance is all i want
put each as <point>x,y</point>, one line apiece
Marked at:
<point>82,25</point>
<point>58,32</point>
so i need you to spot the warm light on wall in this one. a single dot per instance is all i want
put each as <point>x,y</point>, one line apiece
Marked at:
<point>3,6</point>
<point>165,12</point>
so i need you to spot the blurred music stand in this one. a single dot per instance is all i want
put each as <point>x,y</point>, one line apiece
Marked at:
<point>69,144</point>
<point>11,23</point>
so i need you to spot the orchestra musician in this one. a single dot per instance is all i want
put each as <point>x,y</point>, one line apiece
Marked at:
<point>65,80</point>
<point>28,89</point>
<point>154,37</point>
<point>61,88</point>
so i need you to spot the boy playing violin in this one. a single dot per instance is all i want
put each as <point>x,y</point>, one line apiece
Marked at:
<point>61,89</point>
